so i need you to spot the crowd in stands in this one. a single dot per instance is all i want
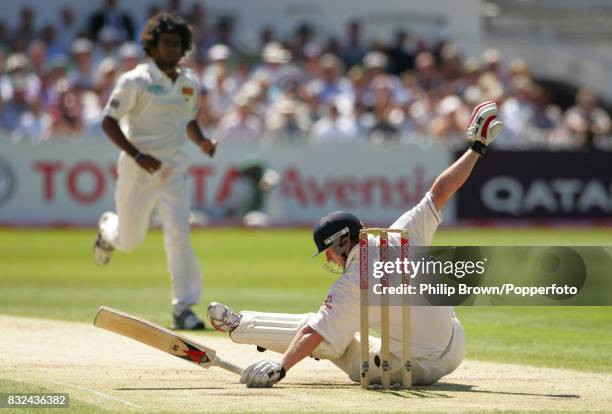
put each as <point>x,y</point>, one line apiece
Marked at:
<point>55,81</point>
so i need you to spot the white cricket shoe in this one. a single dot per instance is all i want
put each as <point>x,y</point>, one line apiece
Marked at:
<point>223,318</point>
<point>102,250</point>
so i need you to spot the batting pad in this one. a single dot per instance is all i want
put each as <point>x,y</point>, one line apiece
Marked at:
<point>275,331</point>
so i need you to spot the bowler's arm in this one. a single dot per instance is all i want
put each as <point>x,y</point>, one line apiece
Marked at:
<point>194,133</point>
<point>305,341</point>
<point>111,128</point>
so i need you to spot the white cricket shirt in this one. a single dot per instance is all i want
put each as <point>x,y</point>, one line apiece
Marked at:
<point>154,110</point>
<point>431,326</point>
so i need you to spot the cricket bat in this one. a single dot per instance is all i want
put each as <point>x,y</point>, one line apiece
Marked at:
<point>161,338</point>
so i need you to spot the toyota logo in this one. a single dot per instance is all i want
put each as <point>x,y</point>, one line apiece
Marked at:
<point>7,182</point>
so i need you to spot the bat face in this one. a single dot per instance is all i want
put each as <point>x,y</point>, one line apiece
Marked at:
<point>191,352</point>
<point>154,335</point>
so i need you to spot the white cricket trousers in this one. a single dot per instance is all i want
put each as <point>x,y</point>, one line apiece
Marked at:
<point>275,331</point>
<point>136,194</point>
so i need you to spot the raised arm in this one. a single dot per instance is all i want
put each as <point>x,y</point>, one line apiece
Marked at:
<point>482,130</point>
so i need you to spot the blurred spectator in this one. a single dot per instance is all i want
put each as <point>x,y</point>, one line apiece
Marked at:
<point>493,64</point>
<point>37,54</point>
<point>375,63</point>
<point>13,109</point>
<point>240,123</point>
<point>18,72</point>
<point>223,33</point>
<point>4,38</point>
<point>52,45</point>
<point>384,127</point>
<point>468,85</point>
<point>585,120</point>
<point>451,118</point>
<point>82,75</point>
<point>310,65</point>
<point>66,114</point>
<point>33,124</point>
<point>197,18</point>
<point>427,73</point>
<point>353,49</point>
<point>275,68</point>
<point>266,35</point>
<point>68,30</point>
<point>492,89</point>
<point>57,70</point>
<point>221,93</point>
<point>129,56</point>
<point>217,58</point>
<point>423,112</point>
<point>303,36</point>
<point>357,78</point>
<point>546,116</point>
<point>400,59</point>
<point>450,64</point>
<point>288,120</point>
<point>333,127</point>
<point>94,101</point>
<point>516,112</point>
<point>106,46</point>
<point>330,85</point>
<point>25,31</point>
<point>110,17</point>
<point>205,118</point>
<point>518,67</point>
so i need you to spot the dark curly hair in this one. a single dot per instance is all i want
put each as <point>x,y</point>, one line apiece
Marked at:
<point>165,23</point>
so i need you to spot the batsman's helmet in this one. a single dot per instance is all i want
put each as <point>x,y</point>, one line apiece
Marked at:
<point>335,230</point>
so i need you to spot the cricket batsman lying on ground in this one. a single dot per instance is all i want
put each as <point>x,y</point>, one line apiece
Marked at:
<point>437,338</point>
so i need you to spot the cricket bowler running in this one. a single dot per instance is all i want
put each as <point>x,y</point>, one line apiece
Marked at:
<point>437,339</point>
<point>156,102</point>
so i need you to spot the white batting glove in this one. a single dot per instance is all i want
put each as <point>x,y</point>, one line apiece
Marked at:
<point>483,128</point>
<point>262,374</point>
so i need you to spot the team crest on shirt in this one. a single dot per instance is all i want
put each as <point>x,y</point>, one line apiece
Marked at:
<point>187,91</point>
<point>156,89</point>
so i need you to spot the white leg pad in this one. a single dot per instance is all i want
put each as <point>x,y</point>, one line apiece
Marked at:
<point>275,331</point>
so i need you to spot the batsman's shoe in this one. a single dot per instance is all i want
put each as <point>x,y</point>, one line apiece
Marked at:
<point>223,318</point>
<point>102,250</point>
<point>188,321</point>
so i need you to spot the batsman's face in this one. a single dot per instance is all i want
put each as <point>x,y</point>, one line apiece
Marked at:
<point>334,258</point>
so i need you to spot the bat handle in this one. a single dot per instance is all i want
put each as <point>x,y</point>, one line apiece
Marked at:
<point>222,363</point>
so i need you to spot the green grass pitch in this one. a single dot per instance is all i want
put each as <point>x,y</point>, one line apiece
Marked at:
<point>50,273</point>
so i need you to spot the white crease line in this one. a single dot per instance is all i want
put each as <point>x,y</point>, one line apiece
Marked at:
<point>98,393</point>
